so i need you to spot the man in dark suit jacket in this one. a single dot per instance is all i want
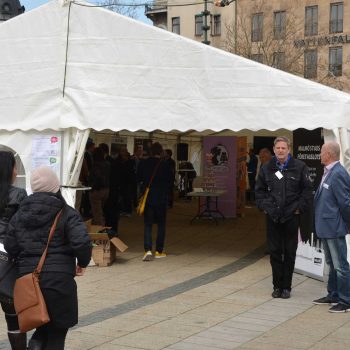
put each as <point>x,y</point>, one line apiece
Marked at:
<point>332,223</point>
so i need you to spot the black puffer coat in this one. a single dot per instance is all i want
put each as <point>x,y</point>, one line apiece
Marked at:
<point>16,195</point>
<point>281,197</point>
<point>29,228</point>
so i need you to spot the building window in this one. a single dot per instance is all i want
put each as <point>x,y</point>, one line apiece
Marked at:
<point>279,27</point>
<point>336,18</point>
<point>311,20</point>
<point>336,61</point>
<point>258,57</point>
<point>310,64</point>
<point>175,25</point>
<point>216,25</point>
<point>257,27</point>
<point>279,60</point>
<point>198,30</point>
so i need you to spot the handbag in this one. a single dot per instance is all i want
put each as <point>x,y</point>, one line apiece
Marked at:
<point>8,275</point>
<point>142,203</point>
<point>28,299</point>
<point>143,199</point>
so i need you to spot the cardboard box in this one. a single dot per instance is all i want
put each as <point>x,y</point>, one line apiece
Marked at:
<point>104,250</point>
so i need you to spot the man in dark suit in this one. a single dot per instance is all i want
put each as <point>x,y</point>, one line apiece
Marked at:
<point>332,223</point>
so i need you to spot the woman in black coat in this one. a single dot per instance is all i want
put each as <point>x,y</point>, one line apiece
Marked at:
<point>10,198</point>
<point>26,240</point>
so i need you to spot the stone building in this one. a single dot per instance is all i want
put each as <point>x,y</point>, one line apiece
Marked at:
<point>310,38</point>
<point>9,9</point>
<point>201,22</point>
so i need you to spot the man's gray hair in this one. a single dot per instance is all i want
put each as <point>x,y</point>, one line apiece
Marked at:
<point>265,150</point>
<point>333,149</point>
<point>282,139</point>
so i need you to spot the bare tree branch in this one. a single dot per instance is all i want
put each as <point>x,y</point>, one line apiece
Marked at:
<point>120,7</point>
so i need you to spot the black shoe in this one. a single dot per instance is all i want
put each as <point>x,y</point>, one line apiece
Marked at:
<point>276,293</point>
<point>18,341</point>
<point>285,294</point>
<point>340,308</point>
<point>324,301</point>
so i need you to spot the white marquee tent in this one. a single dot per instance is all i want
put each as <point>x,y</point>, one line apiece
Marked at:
<point>71,67</point>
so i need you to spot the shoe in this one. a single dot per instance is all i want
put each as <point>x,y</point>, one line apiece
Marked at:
<point>340,308</point>
<point>159,255</point>
<point>324,301</point>
<point>285,294</point>
<point>148,256</point>
<point>276,293</point>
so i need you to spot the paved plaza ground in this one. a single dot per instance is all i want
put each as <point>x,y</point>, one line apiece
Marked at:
<point>212,292</point>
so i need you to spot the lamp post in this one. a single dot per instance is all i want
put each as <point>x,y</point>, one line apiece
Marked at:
<point>205,25</point>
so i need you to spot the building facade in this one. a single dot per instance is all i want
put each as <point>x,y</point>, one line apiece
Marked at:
<point>309,38</point>
<point>9,9</point>
<point>203,22</point>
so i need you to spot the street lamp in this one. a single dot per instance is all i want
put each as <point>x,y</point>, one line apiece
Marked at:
<point>206,13</point>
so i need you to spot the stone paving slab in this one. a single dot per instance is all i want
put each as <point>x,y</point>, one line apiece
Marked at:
<point>207,294</point>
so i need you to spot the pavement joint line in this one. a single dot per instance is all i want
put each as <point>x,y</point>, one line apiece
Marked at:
<point>152,298</point>
<point>169,292</point>
<point>237,327</point>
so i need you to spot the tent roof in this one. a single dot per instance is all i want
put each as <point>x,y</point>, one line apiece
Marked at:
<point>118,73</point>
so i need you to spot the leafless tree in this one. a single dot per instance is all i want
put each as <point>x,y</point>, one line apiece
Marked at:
<point>123,7</point>
<point>276,44</point>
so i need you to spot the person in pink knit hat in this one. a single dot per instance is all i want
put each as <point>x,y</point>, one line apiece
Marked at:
<point>68,255</point>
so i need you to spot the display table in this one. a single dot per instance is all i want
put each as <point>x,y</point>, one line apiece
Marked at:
<point>207,212</point>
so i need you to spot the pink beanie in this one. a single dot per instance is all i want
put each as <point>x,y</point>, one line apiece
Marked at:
<point>43,179</point>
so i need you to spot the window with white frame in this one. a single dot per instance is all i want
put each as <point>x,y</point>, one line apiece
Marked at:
<point>175,25</point>
<point>279,60</point>
<point>279,27</point>
<point>216,25</point>
<point>336,18</point>
<point>311,20</point>
<point>336,61</point>
<point>310,64</point>
<point>257,27</point>
<point>198,31</point>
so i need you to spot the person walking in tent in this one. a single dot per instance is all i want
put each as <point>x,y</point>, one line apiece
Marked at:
<point>156,171</point>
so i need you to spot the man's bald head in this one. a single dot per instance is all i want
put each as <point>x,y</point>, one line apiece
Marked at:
<point>330,152</point>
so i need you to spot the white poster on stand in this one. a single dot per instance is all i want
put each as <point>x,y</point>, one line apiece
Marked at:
<point>310,259</point>
<point>46,151</point>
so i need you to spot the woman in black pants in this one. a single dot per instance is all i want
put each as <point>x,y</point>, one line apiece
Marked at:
<point>68,255</point>
<point>10,197</point>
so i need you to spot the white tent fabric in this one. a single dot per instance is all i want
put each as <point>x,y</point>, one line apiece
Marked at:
<point>123,74</point>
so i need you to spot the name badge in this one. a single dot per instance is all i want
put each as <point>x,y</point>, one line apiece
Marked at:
<point>279,175</point>
<point>325,186</point>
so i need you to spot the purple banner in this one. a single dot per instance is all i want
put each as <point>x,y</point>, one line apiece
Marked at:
<point>220,163</point>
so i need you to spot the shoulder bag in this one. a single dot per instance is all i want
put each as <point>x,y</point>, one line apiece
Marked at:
<point>28,299</point>
<point>142,202</point>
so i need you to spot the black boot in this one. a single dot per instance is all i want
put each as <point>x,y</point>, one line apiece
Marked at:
<point>35,344</point>
<point>18,341</point>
